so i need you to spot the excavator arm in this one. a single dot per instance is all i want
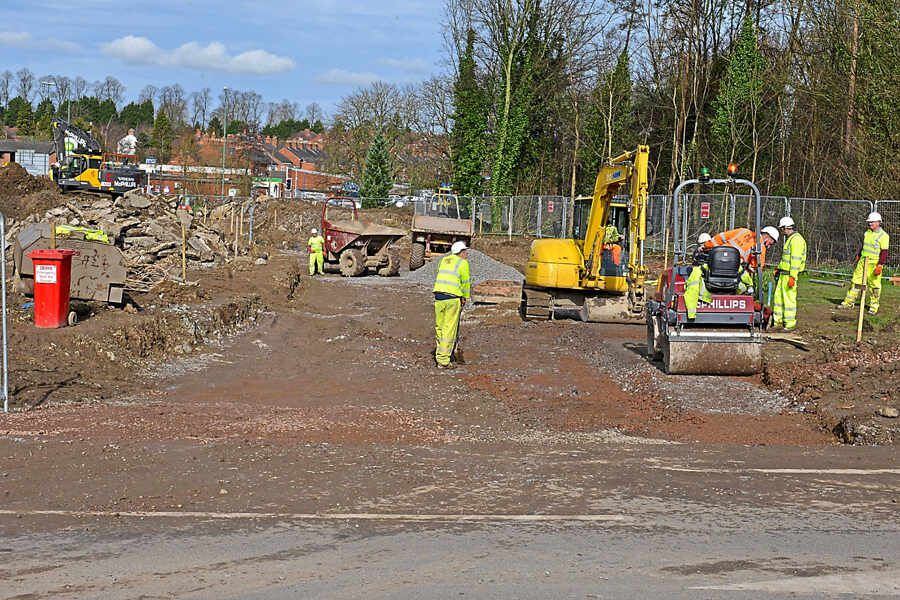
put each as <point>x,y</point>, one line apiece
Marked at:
<point>69,139</point>
<point>629,167</point>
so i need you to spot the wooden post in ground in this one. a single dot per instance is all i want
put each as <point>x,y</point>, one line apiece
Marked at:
<point>183,253</point>
<point>862,301</point>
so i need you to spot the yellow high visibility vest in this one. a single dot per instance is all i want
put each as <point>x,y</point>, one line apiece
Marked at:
<point>316,244</point>
<point>874,242</point>
<point>793,255</point>
<point>453,276</point>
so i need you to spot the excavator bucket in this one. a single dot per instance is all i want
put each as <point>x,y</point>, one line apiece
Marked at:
<point>712,352</point>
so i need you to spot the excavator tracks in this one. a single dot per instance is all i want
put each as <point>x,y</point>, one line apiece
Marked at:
<point>536,305</point>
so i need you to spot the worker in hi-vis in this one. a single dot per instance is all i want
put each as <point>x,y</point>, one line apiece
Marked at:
<point>451,290</point>
<point>793,262</point>
<point>872,256</point>
<point>316,248</point>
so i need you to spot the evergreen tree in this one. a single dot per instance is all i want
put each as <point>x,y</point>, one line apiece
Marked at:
<point>610,124</point>
<point>378,177</point>
<point>736,106</point>
<point>16,105</point>
<point>163,137</point>
<point>43,116</point>
<point>468,146</point>
<point>214,127</point>
<point>25,120</point>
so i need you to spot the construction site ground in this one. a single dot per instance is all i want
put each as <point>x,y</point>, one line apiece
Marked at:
<point>263,434</point>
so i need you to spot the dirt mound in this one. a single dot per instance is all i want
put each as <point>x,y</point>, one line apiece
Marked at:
<point>845,385</point>
<point>22,194</point>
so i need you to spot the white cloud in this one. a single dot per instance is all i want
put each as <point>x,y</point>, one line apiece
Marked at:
<point>23,39</point>
<point>407,65</point>
<point>15,38</point>
<point>193,55</point>
<point>343,77</point>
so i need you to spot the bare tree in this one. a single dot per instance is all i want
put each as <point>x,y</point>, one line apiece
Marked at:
<point>282,111</point>
<point>6,78</point>
<point>79,88</point>
<point>314,113</point>
<point>24,83</point>
<point>149,92</point>
<point>110,89</point>
<point>62,88</point>
<point>173,104</point>
<point>200,107</point>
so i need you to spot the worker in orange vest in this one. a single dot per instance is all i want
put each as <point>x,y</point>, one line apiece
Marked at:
<point>745,241</point>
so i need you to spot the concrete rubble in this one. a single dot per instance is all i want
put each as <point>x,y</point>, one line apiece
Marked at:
<point>147,230</point>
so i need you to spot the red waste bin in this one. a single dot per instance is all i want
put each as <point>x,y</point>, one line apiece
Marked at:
<point>52,275</point>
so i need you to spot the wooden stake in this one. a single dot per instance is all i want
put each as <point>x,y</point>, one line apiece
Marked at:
<point>862,302</point>
<point>52,235</point>
<point>276,216</point>
<point>183,253</point>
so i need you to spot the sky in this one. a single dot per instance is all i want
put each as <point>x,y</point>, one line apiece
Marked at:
<point>305,51</point>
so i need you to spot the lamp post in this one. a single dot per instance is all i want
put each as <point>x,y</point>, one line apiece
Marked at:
<point>224,137</point>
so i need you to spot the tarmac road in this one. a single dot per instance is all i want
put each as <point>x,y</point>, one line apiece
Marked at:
<point>281,468</point>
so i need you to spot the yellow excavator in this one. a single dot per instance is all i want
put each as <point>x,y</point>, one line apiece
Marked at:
<point>601,272</point>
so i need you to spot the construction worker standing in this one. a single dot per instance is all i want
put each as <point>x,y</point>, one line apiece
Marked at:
<point>793,262</point>
<point>872,256</point>
<point>451,290</point>
<point>316,248</point>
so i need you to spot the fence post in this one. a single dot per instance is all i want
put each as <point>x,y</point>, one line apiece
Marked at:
<point>540,220</point>
<point>3,308</point>
<point>510,218</point>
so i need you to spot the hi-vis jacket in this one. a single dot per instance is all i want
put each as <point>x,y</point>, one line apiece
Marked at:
<point>453,276</point>
<point>744,240</point>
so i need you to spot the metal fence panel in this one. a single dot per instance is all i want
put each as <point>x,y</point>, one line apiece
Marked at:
<point>890,214</point>
<point>833,229</point>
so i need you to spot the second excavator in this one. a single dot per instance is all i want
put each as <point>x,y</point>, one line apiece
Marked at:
<point>599,272</point>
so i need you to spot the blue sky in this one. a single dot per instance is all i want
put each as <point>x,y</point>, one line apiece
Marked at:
<point>309,51</point>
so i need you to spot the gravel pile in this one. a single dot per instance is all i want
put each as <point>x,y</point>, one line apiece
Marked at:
<point>481,266</point>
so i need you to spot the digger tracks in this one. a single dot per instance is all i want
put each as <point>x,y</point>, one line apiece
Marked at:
<point>536,305</point>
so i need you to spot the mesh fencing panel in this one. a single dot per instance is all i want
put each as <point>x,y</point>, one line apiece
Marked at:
<point>890,214</point>
<point>833,229</point>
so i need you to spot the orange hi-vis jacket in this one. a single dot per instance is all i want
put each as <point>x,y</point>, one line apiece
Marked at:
<point>744,240</point>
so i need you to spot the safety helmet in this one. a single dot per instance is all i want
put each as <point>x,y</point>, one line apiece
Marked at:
<point>786,222</point>
<point>873,216</point>
<point>772,232</point>
<point>458,247</point>
<point>703,238</point>
<point>315,231</point>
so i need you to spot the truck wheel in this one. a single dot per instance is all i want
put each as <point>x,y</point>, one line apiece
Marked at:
<point>392,267</point>
<point>353,263</point>
<point>416,256</point>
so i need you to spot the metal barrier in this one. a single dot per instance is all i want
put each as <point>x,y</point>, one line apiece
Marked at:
<point>833,229</point>
<point>890,213</point>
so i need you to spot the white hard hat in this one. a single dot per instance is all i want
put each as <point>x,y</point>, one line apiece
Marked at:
<point>772,232</point>
<point>873,216</point>
<point>703,238</point>
<point>315,231</point>
<point>786,222</point>
<point>458,247</point>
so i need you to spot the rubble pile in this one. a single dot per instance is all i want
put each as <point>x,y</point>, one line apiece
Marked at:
<point>147,230</point>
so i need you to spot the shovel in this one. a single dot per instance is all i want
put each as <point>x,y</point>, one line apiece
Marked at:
<point>457,354</point>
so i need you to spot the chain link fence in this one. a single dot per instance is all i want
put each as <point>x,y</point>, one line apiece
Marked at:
<point>832,227</point>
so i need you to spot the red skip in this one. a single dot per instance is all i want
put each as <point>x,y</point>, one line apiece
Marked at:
<point>52,274</point>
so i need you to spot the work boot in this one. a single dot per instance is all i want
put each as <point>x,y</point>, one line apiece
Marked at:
<point>845,305</point>
<point>449,367</point>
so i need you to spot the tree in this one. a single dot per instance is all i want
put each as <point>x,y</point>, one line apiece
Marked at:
<point>215,126</point>
<point>16,106</point>
<point>163,136</point>
<point>43,116</point>
<point>110,89</point>
<point>200,107</point>
<point>24,83</point>
<point>468,147</point>
<point>5,87</point>
<point>610,124</point>
<point>378,176</point>
<point>739,99</point>
<point>25,119</point>
<point>136,114</point>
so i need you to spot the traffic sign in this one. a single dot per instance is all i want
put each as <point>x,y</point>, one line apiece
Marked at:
<point>704,210</point>
<point>549,205</point>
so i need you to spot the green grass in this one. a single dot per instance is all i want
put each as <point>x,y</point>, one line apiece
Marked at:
<point>816,301</point>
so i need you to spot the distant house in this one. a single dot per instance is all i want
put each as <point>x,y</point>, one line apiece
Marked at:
<point>34,157</point>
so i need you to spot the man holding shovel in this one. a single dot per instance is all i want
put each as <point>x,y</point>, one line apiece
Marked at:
<point>451,291</point>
